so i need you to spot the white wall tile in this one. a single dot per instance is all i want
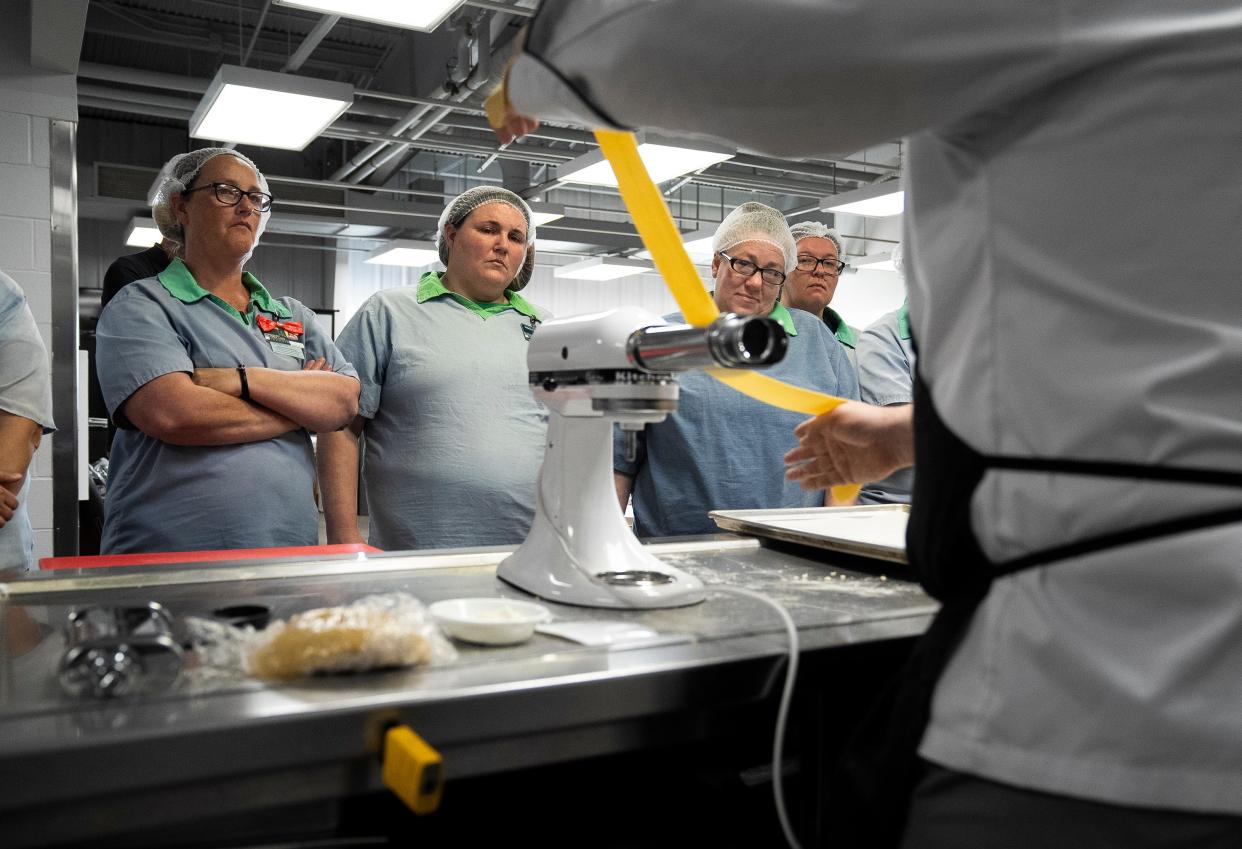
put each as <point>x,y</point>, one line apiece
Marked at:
<point>42,245</point>
<point>39,503</point>
<point>28,189</point>
<point>43,544</point>
<point>15,140</point>
<point>16,244</point>
<point>42,464</point>
<point>40,142</point>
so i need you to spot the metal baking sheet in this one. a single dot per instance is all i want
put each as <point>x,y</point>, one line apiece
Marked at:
<point>877,531</point>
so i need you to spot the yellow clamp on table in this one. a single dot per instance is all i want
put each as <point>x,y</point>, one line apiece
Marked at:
<point>412,770</point>
<point>660,235</point>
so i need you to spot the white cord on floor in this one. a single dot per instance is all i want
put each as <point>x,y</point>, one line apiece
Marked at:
<point>782,713</point>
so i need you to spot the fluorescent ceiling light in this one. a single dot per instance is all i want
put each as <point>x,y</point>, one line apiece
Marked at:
<point>560,246</point>
<point>142,233</point>
<point>405,252</point>
<point>698,244</point>
<point>266,108</point>
<point>424,15</point>
<point>879,200</point>
<point>874,262</point>
<point>602,268</point>
<point>664,158</point>
<point>542,213</point>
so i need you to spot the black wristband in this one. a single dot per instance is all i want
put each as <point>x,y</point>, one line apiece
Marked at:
<point>245,383</point>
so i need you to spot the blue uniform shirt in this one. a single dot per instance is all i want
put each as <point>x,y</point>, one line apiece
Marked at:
<point>886,377</point>
<point>723,450</point>
<point>165,497</point>
<point>454,437</point>
<point>26,391</point>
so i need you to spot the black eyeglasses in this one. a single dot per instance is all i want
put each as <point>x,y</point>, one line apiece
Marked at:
<point>831,264</point>
<point>744,267</point>
<point>230,195</point>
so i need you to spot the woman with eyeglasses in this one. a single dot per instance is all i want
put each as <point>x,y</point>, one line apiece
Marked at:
<point>722,450</point>
<point>813,281</point>
<point>215,384</point>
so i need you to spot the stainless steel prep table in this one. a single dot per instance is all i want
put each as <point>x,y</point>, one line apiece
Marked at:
<point>70,769</point>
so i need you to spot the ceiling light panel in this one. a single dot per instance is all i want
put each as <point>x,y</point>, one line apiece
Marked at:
<point>542,213</point>
<point>422,15</point>
<point>874,262</point>
<point>405,252</point>
<point>879,200</point>
<point>142,233</point>
<point>698,245</point>
<point>268,109</point>
<point>664,160</point>
<point>602,268</point>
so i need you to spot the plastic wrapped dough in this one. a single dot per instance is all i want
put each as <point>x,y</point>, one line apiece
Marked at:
<point>374,632</point>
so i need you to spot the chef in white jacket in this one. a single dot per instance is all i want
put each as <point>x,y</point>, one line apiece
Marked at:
<point>1072,216</point>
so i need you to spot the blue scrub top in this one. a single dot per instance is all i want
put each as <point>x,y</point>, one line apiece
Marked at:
<point>454,437</point>
<point>722,450</point>
<point>26,391</point>
<point>164,497</point>
<point>886,377</point>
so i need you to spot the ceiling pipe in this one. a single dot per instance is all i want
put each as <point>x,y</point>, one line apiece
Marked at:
<point>267,4</point>
<point>148,79</point>
<point>173,108</point>
<point>449,145</point>
<point>364,156</point>
<point>379,159</point>
<point>151,109</point>
<point>469,71</point>
<point>144,98</point>
<point>308,45</point>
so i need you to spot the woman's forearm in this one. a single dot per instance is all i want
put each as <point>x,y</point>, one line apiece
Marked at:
<point>173,409</point>
<point>317,399</point>
<point>337,457</point>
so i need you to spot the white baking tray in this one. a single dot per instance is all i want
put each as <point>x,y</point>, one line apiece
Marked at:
<point>877,531</point>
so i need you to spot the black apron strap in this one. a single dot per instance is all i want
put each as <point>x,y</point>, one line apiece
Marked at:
<point>870,789</point>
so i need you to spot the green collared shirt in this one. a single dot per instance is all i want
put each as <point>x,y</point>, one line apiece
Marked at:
<point>781,316</point>
<point>431,286</point>
<point>845,334</point>
<point>903,320</point>
<point>180,283</point>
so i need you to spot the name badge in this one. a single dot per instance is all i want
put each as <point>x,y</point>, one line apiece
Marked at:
<point>283,337</point>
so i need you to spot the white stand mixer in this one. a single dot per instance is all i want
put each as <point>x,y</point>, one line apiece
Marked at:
<point>591,371</point>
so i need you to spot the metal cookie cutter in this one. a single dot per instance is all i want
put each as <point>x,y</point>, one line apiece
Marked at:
<point>118,651</point>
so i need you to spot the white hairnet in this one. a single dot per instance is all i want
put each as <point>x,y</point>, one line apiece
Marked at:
<point>815,229</point>
<point>178,174</point>
<point>470,200</point>
<point>899,258</point>
<point>756,222</point>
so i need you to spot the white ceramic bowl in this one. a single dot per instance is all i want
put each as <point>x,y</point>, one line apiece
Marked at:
<point>489,621</point>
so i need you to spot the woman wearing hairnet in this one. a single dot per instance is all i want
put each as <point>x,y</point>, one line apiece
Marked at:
<point>214,383</point>
<point>719,449</point>
<point>454,438</point>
